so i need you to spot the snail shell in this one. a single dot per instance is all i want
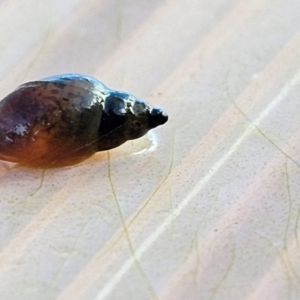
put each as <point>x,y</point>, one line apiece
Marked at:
<point>64,119</point>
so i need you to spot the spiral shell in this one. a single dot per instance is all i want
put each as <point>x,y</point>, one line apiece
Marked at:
<point>64,119</point>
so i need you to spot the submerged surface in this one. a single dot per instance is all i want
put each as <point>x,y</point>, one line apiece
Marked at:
<point>214,212</point>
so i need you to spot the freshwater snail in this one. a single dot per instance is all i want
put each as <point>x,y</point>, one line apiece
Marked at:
<point>64,119</point>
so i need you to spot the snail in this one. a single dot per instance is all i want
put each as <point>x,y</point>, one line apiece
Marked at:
<point>62,120</point>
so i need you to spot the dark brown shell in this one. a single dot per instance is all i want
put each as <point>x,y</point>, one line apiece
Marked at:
<point>64,119</point>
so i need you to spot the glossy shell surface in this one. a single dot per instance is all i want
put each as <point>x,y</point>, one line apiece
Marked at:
<point>64,119</point>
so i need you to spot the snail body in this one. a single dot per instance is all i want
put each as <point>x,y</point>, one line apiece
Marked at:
<point>64,119</point>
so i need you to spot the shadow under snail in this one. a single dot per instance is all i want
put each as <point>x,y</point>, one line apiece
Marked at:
<point>64,119</point>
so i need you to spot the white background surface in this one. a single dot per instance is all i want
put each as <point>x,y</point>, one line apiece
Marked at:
<point>213,211</point>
